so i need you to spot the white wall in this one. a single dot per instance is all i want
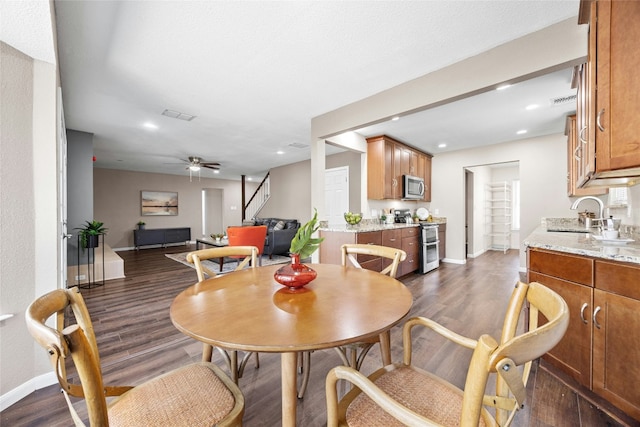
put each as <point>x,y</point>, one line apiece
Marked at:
<point>542,184</point>
<point>28,214</point>
<point>558,46</point>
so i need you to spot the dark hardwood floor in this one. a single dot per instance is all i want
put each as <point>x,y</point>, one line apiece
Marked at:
<point>137,341</point>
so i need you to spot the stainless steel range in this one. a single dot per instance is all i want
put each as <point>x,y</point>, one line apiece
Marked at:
<point>429,253</point>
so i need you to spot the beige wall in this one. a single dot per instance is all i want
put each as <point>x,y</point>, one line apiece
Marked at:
<point>117,202</point>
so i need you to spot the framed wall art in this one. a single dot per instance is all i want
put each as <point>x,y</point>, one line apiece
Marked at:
<point>159,202</point>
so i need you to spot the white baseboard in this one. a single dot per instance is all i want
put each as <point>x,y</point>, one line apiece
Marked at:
<point>25,389</point>
<point>476,254</point>
<point>454,261</point>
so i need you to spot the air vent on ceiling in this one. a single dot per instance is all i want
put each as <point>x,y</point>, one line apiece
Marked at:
<point>178,115</point>
<point>561,100</point>
<point>298,145</point>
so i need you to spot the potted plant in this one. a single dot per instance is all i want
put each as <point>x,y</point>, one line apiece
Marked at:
<point>89,233</point>
<point>303,245</point>
<point>217,237</point>
<point>141,225</point>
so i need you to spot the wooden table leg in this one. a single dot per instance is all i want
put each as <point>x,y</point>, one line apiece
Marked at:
<point>385,347</point>
<point>221,261</point>
<point>289,388</point>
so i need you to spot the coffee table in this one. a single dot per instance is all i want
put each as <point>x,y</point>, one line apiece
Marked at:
<point>206,241</point>
<point>248,310</point>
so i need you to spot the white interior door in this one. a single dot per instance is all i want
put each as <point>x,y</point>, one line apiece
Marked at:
<point>62,194</point>
<point>336,194</point>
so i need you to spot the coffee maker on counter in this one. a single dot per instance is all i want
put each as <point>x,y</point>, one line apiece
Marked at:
<point>401,216</point>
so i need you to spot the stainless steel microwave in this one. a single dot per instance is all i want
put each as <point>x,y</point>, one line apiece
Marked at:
<point>412,187</point>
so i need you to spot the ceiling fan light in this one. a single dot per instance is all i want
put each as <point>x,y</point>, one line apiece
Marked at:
<point>194,168</point>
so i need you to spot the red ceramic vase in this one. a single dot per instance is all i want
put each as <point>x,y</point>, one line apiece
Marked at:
<point>294,275</point>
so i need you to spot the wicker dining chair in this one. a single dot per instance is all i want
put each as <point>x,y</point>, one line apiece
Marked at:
<point>404,394</point>
<point>250,254</point>
<point>353,354</point>
<point>198,394</point>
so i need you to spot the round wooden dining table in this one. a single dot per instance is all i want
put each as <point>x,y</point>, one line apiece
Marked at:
<point>248,310</point>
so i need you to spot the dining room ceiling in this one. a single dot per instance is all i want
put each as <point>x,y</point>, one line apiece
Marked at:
<point>239,81</point>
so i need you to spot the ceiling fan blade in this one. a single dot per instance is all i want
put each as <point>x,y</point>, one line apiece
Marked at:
<point>210,163</point>
<point>214,166</point>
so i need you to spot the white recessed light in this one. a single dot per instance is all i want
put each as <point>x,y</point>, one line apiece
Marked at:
<point>521,132</point>
<point>532,107</point>
<point>280,152</point>
<point>150,125</point>
<point>216,171</point>
<point>395,118</point>
<point>249,178</point>
<point>442,145</point>
<point>503,87</point>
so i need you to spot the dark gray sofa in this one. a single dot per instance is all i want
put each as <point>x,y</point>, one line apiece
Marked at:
<point>280,232</point>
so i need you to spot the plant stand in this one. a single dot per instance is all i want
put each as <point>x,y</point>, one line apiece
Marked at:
<point>91,265</point>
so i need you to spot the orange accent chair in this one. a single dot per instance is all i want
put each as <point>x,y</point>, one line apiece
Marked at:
<point>252,235</point>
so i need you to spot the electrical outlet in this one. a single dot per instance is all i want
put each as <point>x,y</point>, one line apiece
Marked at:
<point>81,277</point>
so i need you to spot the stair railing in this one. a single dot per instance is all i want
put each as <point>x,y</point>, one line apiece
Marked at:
<point>257,200</point>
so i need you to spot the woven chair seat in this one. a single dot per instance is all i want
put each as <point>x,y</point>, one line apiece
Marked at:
<point>190,396</point>
<point>418,390</point>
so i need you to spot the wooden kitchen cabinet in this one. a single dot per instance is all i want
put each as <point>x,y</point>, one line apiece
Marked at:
<point>427,179</point>
<point>401,238</point>
<point>393,239</point>
<point>411,245</point>
<point>600,349</point>
<point>331,252</point>
<point>387,161</point>
<point>382,182</point>
<point>611,78</point>
<point>442,237</point>
<point>576,150</point>
<point>369,262</point>
<point>616,335</point>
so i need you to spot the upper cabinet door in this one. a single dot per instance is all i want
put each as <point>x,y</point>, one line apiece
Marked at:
<point>617,128</point>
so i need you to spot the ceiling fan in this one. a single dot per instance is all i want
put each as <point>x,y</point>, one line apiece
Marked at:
<point>194,164</point>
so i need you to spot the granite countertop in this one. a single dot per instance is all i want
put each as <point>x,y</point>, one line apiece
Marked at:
<point>371,225</point>
<point>574,238</point>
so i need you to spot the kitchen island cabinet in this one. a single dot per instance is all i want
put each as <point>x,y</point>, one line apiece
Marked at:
<point>600,349</point>
<point>403,237</point>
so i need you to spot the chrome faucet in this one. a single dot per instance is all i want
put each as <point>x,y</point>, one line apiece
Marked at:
<point>575,204</point>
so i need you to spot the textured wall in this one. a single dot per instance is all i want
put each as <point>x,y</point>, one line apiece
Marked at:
<point>17,215</point>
